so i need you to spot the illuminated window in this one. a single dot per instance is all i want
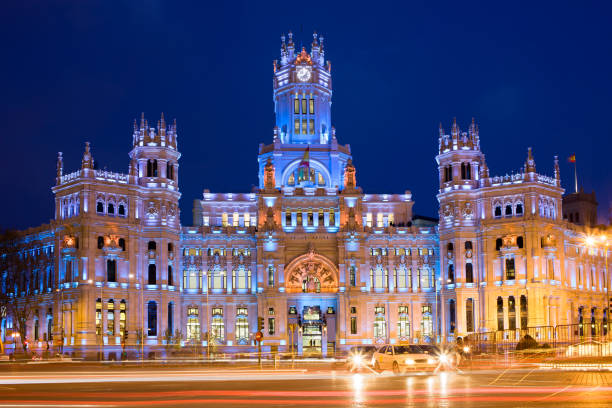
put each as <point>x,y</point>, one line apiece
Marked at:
<point>122,318</point>
<point>378,278</point>
<point>332,217</point>
<point>310,220</point>
<point>321,217</point>
<point>353,324</point>
<point>217,326</point>
<point>426,322</point>
<point>235,218</point>
<point>241,278</point>
<point>380,325</point>
<point>321,180</point>
<point>242,326</point>
<point>206,220</point>
<point>403,324</point>
<point>304,101</point>
<point>369,219</point>
<point>270,275</point>
<point>191,279</point>
<point>216,279</point>
<point>296,126</point>
<point>247,219</point>
<point>304,130</point>
<point>311,107</point>
<point>311,127</point>
<point>193,323</point>
<point>271,326</point>
<point>98,317</point>
<point>224,221</point>
<point>390,219</point>
<point>402,277</point>
<point>299,217</point>
<point>352,275</point>
<point>379,219</point>
<point>291,180</point>
<point>296,106</point>
<point>510,271</point>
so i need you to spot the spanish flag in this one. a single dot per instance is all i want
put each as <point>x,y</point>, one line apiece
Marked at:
<point>572,158</point>
<point>304,167</point>
<point>306,159</point>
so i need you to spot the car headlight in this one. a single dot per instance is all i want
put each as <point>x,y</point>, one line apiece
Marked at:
<point>443,358</point>
<point>357,360</point>
<point>466,349</point>
<point>409,361</point>
<point>431,361</point>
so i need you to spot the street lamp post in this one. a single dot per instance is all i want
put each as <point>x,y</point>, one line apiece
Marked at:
<point>61,311</point>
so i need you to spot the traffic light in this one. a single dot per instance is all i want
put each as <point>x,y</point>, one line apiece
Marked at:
<point>260,323</point>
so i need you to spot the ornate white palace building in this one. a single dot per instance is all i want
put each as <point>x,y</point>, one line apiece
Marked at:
<point>323,264</point>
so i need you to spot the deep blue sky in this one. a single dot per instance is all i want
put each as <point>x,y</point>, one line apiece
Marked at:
<point>531,74</point>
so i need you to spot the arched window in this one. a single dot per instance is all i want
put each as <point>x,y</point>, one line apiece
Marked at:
<point>100,242</point>
<point>469,273</point>
<point>466,171</point>
<point>170,277</point>
<point>451,274</point>
<point>519,242</point>
<point>508,210</point>
<point>111,270</point>
<point>170,247</point>
<point>402,277</point>
<point>498,244</point>
<point>448,173</point>
<point>498,211</point>
<point>152,318</point>
<point>111,209</point>
<point>121,211</point>
<point>468,245</point>
<point>511,313</point>
<point>519,209</point>
<point>154,168</point>
<point>500,313</point>
<point>169,171</point>
<point>100,207</point>
<point>122,244</point>
<point>151,246</point>
<point>449,246</point>
<point>469,315</point>
<point>152,274</point>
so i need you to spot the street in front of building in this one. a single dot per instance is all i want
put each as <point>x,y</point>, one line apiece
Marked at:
<point>305,386</point>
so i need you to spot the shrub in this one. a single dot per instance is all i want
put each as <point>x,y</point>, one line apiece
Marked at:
<point>527,342</point>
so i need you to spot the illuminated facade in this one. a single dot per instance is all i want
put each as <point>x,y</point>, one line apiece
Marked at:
<point>322,264</point>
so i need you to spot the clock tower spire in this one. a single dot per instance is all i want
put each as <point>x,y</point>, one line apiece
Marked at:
<point>302,94</point>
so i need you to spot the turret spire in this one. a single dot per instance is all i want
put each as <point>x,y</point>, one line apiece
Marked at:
<point>530,163</point>
<point>88,161</point>
<point>60,165</point>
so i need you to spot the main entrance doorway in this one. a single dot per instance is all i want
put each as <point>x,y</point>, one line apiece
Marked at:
<point>312,330</point>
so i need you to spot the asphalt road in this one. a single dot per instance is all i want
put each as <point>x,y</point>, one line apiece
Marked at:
<point>176,387</point>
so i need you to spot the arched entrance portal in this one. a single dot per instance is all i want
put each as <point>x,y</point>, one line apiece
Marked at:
<point>311,280</point>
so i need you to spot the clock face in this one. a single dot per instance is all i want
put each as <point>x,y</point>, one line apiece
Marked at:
<point>303,74</point>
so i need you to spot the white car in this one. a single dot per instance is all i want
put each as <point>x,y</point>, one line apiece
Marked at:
<point>405,358</point>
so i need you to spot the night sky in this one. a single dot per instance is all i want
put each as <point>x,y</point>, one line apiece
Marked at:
<point>75,71</point>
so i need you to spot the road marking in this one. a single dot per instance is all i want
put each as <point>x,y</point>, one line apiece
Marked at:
<point>525,376</point>
<point>499,376</point>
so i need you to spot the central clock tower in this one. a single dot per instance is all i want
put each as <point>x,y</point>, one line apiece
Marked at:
<point>302,94</point>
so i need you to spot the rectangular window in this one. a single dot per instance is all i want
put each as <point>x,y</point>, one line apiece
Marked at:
<point>270,275</point>
<point>206,220</point>
<point>271,326</point>
<point>299,217</point>
<point>296,126</point>
<point>391,219</point>
<point>304,111</point>
<point>304,129</point>
<point>379,220</point>
<point>287,218</point>
<point>235,218</point>
<point>247,219</point>
<point>353,324</point>
<point>311,127</point>
<point>224,218</point>
<point>332,218</point>
<point>310,218</point>
<point>352,276</point>
<point>510,271</point>
<point>369,219</point>
<point>353,309</point>
<point>321,217</point>
<point>311,107</point>
<point>296,106</point>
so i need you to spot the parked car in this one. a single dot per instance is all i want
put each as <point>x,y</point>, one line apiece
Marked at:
<point>360,357</point>
<point>406,358</point>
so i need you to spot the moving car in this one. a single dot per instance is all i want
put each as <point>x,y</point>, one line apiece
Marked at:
<point>406,358</point>
<point>360,357</point>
